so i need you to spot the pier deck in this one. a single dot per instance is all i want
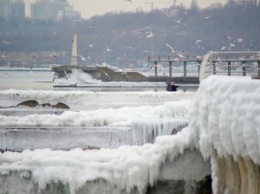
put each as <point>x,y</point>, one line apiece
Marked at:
<point>225,63</point>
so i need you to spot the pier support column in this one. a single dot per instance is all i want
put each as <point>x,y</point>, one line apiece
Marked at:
<point>185,68</point>
<point>170,69</point>
<point>244,68</point>
<point>240,176</point>
<point>258,67</point>
<point>229,68</point>
<point>214,68</point>
<point>155,68</point>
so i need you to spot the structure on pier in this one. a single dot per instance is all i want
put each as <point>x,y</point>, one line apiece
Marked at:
<point>217,63</point>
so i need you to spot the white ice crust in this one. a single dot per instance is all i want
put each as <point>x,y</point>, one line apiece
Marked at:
<point>224,115</point>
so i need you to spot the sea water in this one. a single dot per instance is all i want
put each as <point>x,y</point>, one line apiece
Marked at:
<point>43,80</point>
<point>25,80</point>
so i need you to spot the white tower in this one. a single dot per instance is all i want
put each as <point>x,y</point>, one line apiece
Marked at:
<point>74,51</point>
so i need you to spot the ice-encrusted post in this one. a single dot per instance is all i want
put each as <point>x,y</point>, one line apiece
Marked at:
<point>229,68</point>
<point>185,68</point>
<point>155,68</point>
<point>170,69</point>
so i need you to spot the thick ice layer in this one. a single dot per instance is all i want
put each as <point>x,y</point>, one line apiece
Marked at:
<point>123,117</point>
<point>65,138</point>
<point>21,112</point>
<point>125,168</point>
<point>176,173</point>
<point>225,115</point>
<point>146,130</point>
<point>144,124</point>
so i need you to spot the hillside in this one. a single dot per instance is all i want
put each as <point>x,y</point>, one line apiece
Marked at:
<point>123,39</point>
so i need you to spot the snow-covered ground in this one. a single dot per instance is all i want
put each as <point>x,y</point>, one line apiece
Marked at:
<point>224,115</point>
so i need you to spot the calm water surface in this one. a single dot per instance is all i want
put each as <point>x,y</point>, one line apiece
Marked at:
<point>43,80</point>
<point>39,80</point>
<point>26,80</point>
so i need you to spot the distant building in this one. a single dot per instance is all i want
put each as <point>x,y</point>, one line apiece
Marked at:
<point>12,8</point>
<point>53,10</point>
<point>70,13</point>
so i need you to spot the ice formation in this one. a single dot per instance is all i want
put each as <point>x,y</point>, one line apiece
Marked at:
<point>224,116</point>
<point>122,117</point>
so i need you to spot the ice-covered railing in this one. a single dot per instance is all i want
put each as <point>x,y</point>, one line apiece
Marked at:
<point>235,63</point>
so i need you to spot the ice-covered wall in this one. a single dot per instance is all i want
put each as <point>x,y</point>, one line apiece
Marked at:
<point>226,116</point>
<point>123,170</point>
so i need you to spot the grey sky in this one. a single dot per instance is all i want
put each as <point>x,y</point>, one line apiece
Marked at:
<point>89,8</point>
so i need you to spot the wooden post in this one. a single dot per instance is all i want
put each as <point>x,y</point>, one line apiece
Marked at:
<point>229,68</point>
<point>214,68</point>
<point>170,69</point>
<point>185,68</point>
<point>155,68</point>
<point>244,68</point>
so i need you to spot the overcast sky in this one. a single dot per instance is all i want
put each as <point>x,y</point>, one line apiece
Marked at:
<point>89,8</point>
